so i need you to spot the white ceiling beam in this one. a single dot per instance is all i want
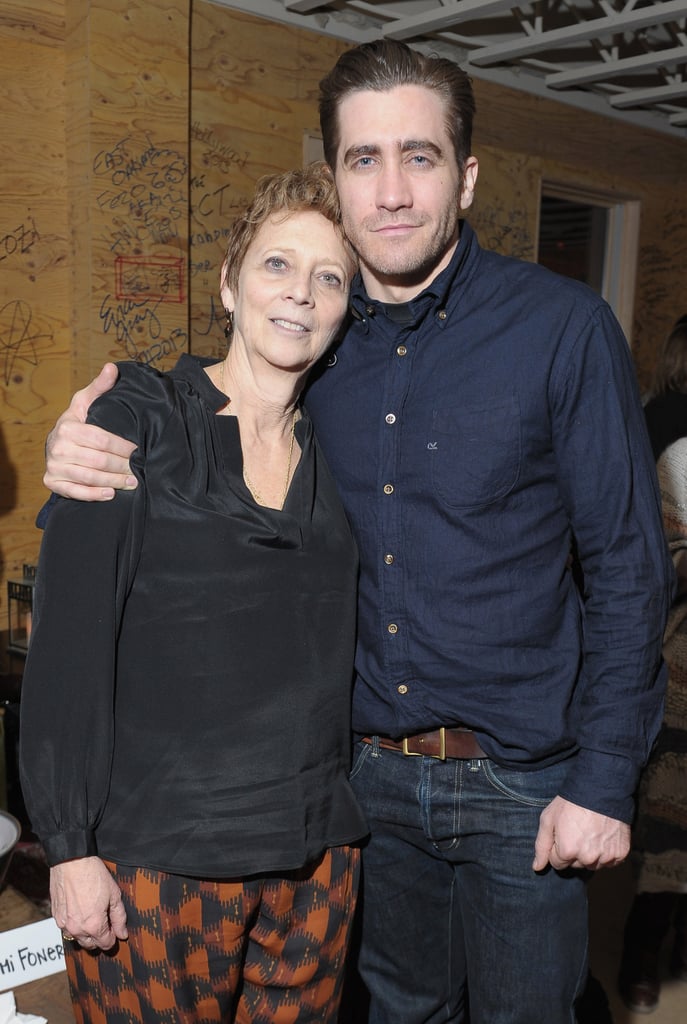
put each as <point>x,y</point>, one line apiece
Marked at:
<point>444,17</point>
<point>336,22</point>
<point>659,94</point>
<point>679,120</point>
<point>583,99</point>
<point>594,28</point>
<point>333,23</point>
<point>302,6</point>
<point>603,69</point>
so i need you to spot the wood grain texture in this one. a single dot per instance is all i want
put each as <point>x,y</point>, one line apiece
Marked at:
<point>34,282</point>
<point>93,220</point>
<point>505,210</point>
<point>561,144</point>
<point>509,119</point>
<point>128,112</point>
<point>254,95</point>
<point>38,21</point>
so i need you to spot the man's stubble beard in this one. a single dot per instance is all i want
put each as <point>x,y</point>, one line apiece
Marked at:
<point>409,265</point>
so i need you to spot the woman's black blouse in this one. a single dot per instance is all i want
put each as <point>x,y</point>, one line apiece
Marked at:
<point>185,704</point>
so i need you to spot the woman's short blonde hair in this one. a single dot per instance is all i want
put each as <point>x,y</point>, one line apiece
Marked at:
<point>309,188</point>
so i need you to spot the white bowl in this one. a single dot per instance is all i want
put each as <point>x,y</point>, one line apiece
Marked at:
<point>10,831</point>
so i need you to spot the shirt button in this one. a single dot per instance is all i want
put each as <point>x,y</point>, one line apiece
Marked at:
<point>388,488</point>
<point>442,314</point>
<point>402,688</point>
<point>392,628</point>
<point>390,418</point>
<point>389,559</point>
<point>401,350</point>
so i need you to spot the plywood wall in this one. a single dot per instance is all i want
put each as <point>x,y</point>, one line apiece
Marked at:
<point>523,140</point>
<point>127,108</point>
<point>254,96</point>
<point>134,129</point>
<point>94,110</point>
<point>34,269</point>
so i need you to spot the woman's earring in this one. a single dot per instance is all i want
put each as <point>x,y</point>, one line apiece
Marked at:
<point>229,328</point>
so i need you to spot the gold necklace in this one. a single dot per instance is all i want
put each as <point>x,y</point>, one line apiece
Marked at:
<point>252,488</point>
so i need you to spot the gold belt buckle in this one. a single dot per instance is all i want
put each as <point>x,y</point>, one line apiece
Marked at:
<point>441,756</point>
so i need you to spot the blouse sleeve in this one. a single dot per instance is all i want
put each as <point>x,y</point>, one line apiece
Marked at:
<point>86,566</point>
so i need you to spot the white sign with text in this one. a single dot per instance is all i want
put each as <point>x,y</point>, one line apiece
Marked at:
<point>30,952</point>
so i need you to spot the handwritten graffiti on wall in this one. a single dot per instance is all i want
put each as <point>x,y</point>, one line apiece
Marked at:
<point>25,335</point>
<point>213,209</point>
<point>504,230</point>
<point>217,154</point>
<point>19,338</point>
<point>143,200</point>
<point>145,192</point>
<point>161,278</point>
<point>208,325</point>
<point>135,324</point>
<point>19,240</point>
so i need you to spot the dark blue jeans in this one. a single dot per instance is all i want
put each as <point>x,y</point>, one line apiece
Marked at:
<point>451,908</point>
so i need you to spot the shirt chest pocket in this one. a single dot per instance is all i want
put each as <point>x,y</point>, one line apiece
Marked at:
<point>475,452</point>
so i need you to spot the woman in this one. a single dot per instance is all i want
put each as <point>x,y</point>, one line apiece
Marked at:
<point>185,706</point>
<point>659,840</point>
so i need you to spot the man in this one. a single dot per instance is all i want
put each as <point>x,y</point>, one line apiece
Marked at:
<point>482,420</point>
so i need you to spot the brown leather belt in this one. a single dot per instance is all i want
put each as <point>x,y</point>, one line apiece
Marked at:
<point>458,742</point>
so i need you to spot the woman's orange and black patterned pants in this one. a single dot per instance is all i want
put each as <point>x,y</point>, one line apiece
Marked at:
<point>259,951</point>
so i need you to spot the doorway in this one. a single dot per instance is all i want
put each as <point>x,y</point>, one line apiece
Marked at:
<point>592,237</point>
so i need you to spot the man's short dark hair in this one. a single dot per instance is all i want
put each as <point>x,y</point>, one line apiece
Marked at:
<point>384,64</point>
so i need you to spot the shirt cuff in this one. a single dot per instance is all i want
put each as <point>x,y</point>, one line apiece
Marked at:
<point>69,846</point>
<point>43,515</point>
<point>601,782</point>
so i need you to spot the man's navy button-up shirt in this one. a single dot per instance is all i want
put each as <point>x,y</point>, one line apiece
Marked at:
<point>479,435</point>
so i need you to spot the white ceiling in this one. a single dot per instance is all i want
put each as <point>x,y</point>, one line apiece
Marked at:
<point>623,58</point>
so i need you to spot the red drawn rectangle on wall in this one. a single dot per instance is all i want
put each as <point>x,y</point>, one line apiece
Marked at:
<point>159,278</point>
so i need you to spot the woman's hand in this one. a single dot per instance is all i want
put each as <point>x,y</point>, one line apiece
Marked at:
<point>83,461</point>
<point>87,903</point>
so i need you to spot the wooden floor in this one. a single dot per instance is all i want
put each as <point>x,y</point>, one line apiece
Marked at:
<point>610,898</point>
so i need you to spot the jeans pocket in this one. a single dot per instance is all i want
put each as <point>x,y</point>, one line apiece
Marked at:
<point>534,788</point>
<point>361,753</point>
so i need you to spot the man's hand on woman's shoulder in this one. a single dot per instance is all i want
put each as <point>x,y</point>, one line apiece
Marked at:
<point>82,460</point>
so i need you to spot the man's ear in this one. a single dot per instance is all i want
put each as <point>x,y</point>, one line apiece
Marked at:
<point>467,191</point>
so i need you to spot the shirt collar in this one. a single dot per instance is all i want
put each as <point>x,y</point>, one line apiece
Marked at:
<point>434,296</point>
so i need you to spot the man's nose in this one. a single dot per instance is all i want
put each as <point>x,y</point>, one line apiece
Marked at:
<point>393,188</point>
